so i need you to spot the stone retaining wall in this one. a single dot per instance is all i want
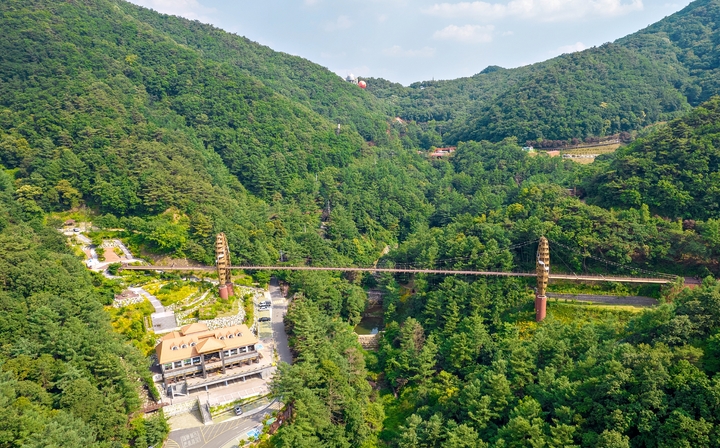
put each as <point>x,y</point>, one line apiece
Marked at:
<point>369,341</point>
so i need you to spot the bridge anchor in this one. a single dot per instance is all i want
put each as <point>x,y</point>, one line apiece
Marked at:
<point>543,275</point>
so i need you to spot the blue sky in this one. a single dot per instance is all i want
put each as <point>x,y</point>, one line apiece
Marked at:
<point>407,41</point>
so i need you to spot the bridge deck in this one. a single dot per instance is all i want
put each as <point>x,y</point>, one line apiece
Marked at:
<point>587,278</point>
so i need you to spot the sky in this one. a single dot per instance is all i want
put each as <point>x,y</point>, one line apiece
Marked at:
<point>408,41</point>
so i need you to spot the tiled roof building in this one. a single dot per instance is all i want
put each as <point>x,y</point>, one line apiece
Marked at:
<point>196,350</point>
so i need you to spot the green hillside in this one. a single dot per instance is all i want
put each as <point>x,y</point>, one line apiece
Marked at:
<point>101,108</point>
<point>653,75</point>
<point>66,380</point>
<point>674,170</point>
<point>291,76</point>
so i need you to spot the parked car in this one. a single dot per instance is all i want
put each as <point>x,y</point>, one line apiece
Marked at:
<point>238,410</point>
<point>263,307</point>
<point>264,319</point>
<point>265,303</point>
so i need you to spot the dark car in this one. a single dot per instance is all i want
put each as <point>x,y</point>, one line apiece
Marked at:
<point>264,319</point>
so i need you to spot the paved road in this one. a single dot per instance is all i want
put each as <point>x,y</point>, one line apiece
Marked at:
<point>638,301</point>
<point>279,309</point>
<point>218,435</point>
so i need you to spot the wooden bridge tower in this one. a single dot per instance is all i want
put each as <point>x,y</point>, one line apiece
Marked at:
<point>222,261</point>
<point>543,275</point>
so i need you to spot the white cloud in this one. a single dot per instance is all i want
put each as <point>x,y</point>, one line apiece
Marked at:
<point>190,9</point>
<point>577,46</point>
<point>382,17</point>
<point>466,33</point>
<point>542,10</point>
<point>398,51</point>
<point>341,23</point>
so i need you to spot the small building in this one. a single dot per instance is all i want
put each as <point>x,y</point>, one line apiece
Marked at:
<point>528,149</point>
<point>443,152</point>
<point>554,153</point>
<point>70,223</point>
<point>196,351</point>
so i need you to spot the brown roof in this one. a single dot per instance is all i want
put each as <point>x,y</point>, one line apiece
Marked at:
<point>209,345</point>
<point>193,328</point>
<point>195,339</point>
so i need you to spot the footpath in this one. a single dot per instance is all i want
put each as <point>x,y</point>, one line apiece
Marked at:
<point>163,320</point>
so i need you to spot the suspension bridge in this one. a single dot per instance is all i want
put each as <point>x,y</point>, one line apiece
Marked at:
<point>578,277</point>
<point>542,271</point>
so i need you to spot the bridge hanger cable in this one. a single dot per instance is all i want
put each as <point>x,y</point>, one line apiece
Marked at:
<point>572,271</point>
<point>614,263</point>
<point>439,262</point>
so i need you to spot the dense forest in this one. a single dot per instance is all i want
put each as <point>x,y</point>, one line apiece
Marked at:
<point>66,379</point>
<point>174,131</point>
<point>674,170</point>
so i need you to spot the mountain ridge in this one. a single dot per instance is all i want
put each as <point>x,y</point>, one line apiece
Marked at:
<point>675,65</point>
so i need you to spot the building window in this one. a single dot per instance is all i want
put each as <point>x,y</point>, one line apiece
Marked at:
<point>234,351</point>
<point>239,335</point>
<point>183,346</point>
<point>243,349</point>
<point>192,344</point>
<point>174,347</point>
<point>251,348</point>
<point>177,364</point>
<point>168,366</point>
<point>196,360</point>
<point>187,362</point>
<point>230,336</point>
<point>226,353</point>
<point>222,337</point>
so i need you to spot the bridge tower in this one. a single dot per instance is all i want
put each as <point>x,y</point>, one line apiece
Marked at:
<point>222,261</point>
<point>543,274</point>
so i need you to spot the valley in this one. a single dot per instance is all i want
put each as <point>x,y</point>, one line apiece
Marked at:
<point>381,270</point>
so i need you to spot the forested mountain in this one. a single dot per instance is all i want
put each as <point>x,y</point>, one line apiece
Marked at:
<point>291,76</point>
<point>650,76</point>
<point>101,108</point>
<point>174,131</point>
